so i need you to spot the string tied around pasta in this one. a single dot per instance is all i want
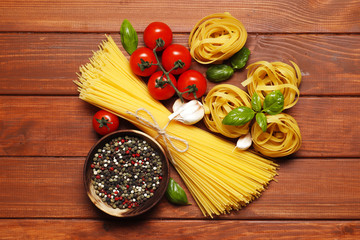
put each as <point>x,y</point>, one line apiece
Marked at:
<point>168,139</point>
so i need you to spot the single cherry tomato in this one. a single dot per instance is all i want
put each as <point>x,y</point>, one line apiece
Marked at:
<point>159,91</point>
<point>141,61</point>
<point>174,53</point>
<point>156,30</point>
<point>105,122</point>
<point>192,79</point>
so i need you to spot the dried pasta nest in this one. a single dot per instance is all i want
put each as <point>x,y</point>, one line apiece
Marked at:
<point>264,77</point>
<point>281,138</point>
<point>218,103</point>
<point>216,38</point>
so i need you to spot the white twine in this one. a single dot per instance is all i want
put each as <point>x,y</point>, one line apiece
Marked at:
<point>168,139</point>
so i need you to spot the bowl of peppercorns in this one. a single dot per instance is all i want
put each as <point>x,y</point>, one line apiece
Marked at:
<point>126,173</point>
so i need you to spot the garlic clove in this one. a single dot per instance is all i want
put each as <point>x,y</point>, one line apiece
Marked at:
<point>192,118</point>
<point>244,142</point>
<point>190,108</point>
<point>177,105</point>
<point>188,113</point>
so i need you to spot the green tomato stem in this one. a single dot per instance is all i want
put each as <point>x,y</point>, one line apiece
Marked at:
<point>178,64</point>
<point>103,122</point>
<point>167,76</point>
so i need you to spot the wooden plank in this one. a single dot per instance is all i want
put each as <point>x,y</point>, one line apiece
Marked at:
<point>61,126</point>
<point>48,187</point>
<point>47,63</point>
<point>93,229</point>
<point>257,16</point>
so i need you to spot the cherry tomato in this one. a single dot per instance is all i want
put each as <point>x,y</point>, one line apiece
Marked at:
<point>147,55</point>
<point>156,30</point>
<point>190,78</point>
<point>174,53</point>
<point>161,93</point>
<point>105,122</point>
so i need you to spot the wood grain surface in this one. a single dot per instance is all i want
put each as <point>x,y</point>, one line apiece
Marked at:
<point>198,229</point>
<point>106,16</point>
<point>325,61</point>
<point>46,132</point>
<point>59,126</point>
<point>305,189</point>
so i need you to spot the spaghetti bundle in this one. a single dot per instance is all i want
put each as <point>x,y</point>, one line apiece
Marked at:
<point>264,77</point>
<point>281,138</point>
<point>216,38</point>
<point>220,100</point>
<point>219,180</point>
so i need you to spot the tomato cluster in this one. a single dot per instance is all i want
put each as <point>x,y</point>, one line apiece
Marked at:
<point>175,60</point>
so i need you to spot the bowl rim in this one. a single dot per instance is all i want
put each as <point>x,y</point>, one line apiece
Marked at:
<point>154,199</point>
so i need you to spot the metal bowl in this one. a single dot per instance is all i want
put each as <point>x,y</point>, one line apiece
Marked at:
<point>146,205</point>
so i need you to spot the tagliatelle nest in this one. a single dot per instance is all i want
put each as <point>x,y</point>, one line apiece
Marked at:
<point>281,138</point>
<point>216,38</point>
<point>218,103</point>
<point>264,77</point>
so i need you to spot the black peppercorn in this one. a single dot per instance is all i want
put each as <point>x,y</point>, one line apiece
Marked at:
<point>126,172</point>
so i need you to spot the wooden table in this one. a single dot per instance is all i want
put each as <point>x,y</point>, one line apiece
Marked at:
<point>46,130</point>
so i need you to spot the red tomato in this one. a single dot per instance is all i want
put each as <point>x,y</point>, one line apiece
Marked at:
<point>174,53</point>
<point>161,93</point>
<point>105,122</point>
<point>156,30</point>
<point>147,55</point>
<point>190,78</point>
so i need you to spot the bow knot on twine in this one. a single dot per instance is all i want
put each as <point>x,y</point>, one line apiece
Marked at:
<point>168,139</point>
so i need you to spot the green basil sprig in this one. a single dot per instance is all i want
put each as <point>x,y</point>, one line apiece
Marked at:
<point>273,104</point>
<point>129,37</point>
<point>175,194</point>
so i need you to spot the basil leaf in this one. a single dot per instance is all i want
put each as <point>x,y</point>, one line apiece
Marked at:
<point>262,121</point>
<point>239,59</point>
<point>274,103</point>
<point>256,102</point>
<point>219,73</point>
<point>175,194</point>
<point>129,37</point>
<point>239,116</point>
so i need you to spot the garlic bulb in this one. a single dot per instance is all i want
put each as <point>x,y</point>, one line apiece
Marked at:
<point>244,142</point>
<point>188,113</point>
